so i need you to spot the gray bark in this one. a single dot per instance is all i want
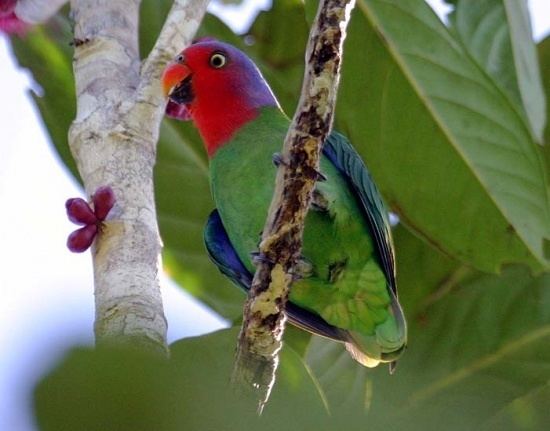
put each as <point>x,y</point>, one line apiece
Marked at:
<point>113,140</point>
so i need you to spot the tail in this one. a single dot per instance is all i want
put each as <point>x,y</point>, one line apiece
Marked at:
<point>386,344</point>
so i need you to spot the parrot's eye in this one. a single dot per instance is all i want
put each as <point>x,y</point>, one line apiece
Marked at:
<point>218,60</point>
<point>179,58</point>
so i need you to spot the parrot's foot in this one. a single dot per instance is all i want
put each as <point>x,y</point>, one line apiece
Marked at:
<point>318,176</point>
<point>303,269</point>
<point>258,257</point>
<point>279,160</point>
<point>318,201</point>
<point>336,270</point>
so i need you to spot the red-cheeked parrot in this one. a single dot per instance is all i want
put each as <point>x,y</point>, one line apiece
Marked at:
<point>345,289</point>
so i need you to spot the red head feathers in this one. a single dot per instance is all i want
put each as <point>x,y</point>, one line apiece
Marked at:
<point>218,87</point>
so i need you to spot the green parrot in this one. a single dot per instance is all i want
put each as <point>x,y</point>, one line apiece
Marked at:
<point>345,288</point>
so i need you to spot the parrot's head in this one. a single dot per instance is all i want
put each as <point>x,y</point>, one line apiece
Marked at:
<point>218,87</point>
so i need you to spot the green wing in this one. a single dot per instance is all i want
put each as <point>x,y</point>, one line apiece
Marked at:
<point>344,157</point>
<point>361,346</point>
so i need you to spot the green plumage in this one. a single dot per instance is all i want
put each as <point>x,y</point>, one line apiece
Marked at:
<point>348,274</point>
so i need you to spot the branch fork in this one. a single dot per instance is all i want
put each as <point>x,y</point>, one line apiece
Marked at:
<point>113,139</point>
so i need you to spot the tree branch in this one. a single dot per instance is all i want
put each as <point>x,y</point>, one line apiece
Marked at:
<point>37,11</point>
<point>179,29</point>
<point>113,140</point>
<point>260,339</point>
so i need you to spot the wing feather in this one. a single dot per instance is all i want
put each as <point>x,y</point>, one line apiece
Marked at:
<point>344,157</point>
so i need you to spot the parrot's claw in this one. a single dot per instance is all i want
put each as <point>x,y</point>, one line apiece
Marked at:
<point>258,257</point>
<point>279,160</point>
<point>318,201</point>
<point>319,176</point>
<point>393,366</point>
<point>302,269</point>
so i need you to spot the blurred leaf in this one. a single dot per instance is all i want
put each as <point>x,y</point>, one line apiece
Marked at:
<point>423,274</point>
<point>126,390</point>
<point>544,58</point>
<point>497,33</point>
<point>46,51</point>
<point>296,338</point>
<point>476,357</point>
<point>296,400</point>
<point>152,14</point>
<point>475,351</point>
<point>345,383</point>
<point>481,347</point>
<point>279,37</point>
<point>529,413</point>
<point>452,157</point>
<point>108,389</point>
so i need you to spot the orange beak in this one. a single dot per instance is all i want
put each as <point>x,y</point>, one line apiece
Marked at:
<point>173,75</point>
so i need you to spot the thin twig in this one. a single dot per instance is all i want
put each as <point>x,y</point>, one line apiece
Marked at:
<point>177,32</point>
<point>260,339</point>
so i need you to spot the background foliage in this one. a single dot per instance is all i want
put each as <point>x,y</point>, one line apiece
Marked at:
<point>451,122</point>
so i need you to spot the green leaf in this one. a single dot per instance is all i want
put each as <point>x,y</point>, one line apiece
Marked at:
<point>47,53</point>
<point>118,389</point>
<point>479,350</point>
<point>450,153</point>
<point>423,274</point>
<point>529,413</point>
<point>152,14</point>
<point>497,33</point>
<point>296,400</point>
<point>279,37</point>
<point>475,351</point>
<point>345,383</point>
<point>476,347</point>
<point>544,58</point>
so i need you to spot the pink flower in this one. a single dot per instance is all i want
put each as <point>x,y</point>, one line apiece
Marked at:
<point>7,7</point>
<point>80,212</point>
<point>10,24</point>
<point>16,16</point>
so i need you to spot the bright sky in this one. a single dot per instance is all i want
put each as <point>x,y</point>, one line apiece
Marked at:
<point>46,293</point>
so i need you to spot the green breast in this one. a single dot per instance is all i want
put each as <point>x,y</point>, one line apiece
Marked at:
<point>336,241</point>
<point>242,178</point>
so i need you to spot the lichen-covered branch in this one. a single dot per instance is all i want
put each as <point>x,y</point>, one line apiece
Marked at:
<point>263,324</point>
<point>113,140</point>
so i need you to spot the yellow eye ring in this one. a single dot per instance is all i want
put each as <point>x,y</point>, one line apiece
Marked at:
<point>218,60</point>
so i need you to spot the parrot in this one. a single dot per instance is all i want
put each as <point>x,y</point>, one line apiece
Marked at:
<point>344,285</point>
